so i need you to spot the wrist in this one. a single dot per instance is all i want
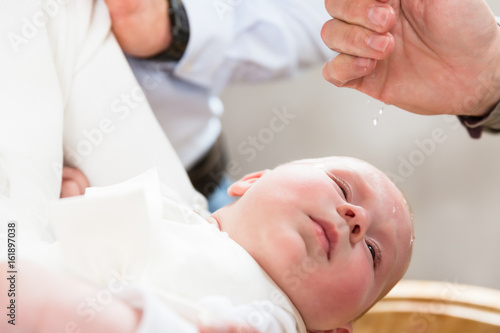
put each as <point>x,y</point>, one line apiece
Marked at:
<point>488,89</point>
<point>486,117</point>
<point>179,33</point>
<point>484,111</point>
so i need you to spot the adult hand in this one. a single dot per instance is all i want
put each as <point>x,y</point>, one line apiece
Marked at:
<point>428,57</point>
<point>142,27</point>
<point>74,182</point>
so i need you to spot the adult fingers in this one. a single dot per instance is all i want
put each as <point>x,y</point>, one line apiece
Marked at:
<point>372,14</point>
<point>356,41</point>
<point>345,70</point>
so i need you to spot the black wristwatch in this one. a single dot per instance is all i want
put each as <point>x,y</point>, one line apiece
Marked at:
<point>179,25</point>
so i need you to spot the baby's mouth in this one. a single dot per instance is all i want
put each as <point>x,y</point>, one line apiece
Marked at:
<point>326,234</point>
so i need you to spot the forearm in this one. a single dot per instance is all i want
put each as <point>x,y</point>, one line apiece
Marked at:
<point>250,41</point>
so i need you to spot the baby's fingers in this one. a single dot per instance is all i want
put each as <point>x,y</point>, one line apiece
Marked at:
<point>74,182</point>
<point>70,188</point>
<point>371,14</point>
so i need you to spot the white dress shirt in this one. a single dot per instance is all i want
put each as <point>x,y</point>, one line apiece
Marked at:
<point>230,41</point>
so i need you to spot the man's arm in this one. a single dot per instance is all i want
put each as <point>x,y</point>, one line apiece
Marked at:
<point>243,40</point>
<point>441,57</point>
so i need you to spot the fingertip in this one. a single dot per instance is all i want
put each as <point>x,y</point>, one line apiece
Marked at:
<point>70,188</point>
<point>328,73</point>
<point>390,46</point>
<point>344,69</point>
<point>380,46</point>
<point>324,31</point>
<point>391,19</point>
<point>382,17</point>
<point>324,70</point>
<point>364,64</point>
<point>328,6</point>
<point>75,175</point>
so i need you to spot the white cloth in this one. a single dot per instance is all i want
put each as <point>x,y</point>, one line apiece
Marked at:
<point>64,83</point>
<point>155,315</point>
<point>127,230</point>
<point>230,41</point>
<point>65,86</point>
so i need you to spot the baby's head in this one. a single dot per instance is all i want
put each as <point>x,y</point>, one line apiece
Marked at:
<point>335,234</point>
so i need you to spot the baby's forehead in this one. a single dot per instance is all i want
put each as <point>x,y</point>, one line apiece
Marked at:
<point>359,170</point>
<point>338,161</point>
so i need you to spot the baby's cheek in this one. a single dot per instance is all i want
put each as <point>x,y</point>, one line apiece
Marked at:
<point>358,290</point>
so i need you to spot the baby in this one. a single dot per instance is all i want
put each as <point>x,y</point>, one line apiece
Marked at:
<point>311,244</point>
<point>341,217</point>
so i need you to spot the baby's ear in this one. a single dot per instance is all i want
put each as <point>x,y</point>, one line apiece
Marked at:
<point>239,187</point>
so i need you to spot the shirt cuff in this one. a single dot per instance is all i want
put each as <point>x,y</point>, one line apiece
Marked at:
<point>211,33</point>
<point>476,125</point>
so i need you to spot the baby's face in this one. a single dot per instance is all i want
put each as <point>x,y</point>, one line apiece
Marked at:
<point>335,234</point>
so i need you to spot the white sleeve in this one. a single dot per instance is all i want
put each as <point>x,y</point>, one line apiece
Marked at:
<point>254,40</point>
<point>156,316</point>
<point>264,316</point>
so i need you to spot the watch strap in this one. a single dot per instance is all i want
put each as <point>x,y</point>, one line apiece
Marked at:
<point>179,24</point>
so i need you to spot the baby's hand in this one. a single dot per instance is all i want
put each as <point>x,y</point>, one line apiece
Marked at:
<point>74,182</point>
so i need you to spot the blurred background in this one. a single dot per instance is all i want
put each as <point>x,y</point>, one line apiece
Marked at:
<point>451,181</point>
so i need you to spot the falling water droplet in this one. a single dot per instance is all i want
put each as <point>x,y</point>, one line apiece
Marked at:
<point>367,101</point>
<point>375,121</point>
<point>381,110</point>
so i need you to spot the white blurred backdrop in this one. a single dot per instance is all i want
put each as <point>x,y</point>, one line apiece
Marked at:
<point>453,184</point>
